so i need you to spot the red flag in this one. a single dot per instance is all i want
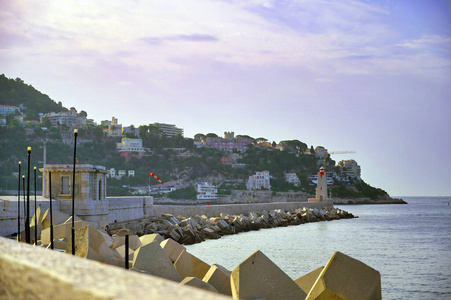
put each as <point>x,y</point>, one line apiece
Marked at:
<point>155,176</point>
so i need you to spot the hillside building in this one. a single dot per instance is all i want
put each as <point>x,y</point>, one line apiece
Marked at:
<point>169,129</point>
<point>8,109</point>
<point>291,177</point>
<point>129,148</point>
<point>228,143</point>
<point>206,191</point>
<point>259,181</point>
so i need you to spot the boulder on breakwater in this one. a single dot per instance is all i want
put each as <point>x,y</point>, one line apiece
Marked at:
<point>200,227</point>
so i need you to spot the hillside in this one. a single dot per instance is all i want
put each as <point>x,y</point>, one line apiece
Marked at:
<point>193,165</point>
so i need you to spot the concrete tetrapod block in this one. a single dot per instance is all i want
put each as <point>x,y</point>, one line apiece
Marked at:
<point>134,241</point>
<point>196,282</point>
<point>188,266</point>
<point>219,278</point>
<point>60,231</point>
<point>149,238</point>
<point>172,249</point>
<point>153,260</point>
<point>90,243</point>
<point>308,280</point>
<point>58,218</point>
<point>121,251</point>
<point>346,278</point>
<point>37,220</point>
<point>258,277</point>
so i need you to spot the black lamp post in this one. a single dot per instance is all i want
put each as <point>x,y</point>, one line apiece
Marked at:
<point>51,212</point>
<point>18,206</point>
<point>35,212</point>
<point>73,192</point>
<point>27,220</point>
<point>23,192</point>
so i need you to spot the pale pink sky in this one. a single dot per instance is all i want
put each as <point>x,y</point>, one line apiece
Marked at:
<point>368,76</point>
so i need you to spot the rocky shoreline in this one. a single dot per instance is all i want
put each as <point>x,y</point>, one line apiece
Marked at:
<point>200,228</point>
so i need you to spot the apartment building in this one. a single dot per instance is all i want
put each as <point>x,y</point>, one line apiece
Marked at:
<point>259,181</point>
<point>169,129</point>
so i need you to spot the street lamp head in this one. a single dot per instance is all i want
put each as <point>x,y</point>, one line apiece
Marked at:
<point>23,176</point>
<point>34,168</point>
<point>20,162</point>
<point>75,131</point>
<point>29,149</point>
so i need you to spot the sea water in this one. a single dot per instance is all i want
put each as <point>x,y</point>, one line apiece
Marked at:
<point>410,245</point>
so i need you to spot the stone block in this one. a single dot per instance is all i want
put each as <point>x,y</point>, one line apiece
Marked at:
<point>196,282</point>
<point>149,238</point>
<point>308,280</point>
<point>36,220</point>
<point>219,278</point>
<point>133,240</point>
<point>152,259</point>
<point>58,218</point>
<point>121,251</point>
<point>172,249</point>
<point>259,277</point>
<point>58,244</point>
<point>188,265</point>
<point>61,231</point>
<point>346,278</point>
<point>90,244</point>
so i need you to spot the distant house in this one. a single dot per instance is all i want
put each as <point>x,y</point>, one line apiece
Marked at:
<point>228,143</point>
<point>261,180</point>
<point>69,118</point>
<point>129,148</point>
<point>8,109</point>
<point>206,191</point>
<point>169,129</point>
<point>291,177</point>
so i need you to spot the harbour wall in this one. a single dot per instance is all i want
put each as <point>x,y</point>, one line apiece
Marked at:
<point>230,209</point>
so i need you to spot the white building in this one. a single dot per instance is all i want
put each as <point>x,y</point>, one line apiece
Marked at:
<point>69,118</point>
<point>206,191</point>
<point>350,168</point>
<point>292,178</point>
<point>261,180</point>
<point>8,109</point>
<point>169,129</point>
<point>128,144</point>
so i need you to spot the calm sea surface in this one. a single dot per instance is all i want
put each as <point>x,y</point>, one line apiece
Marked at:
<point>410,245</point>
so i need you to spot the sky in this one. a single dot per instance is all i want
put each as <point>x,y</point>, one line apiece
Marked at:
<point>373,77</point>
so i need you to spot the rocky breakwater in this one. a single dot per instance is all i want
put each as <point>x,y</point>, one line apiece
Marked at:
<point>200,227</point>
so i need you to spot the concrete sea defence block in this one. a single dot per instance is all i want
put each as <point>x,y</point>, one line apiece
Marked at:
<point>172,249</point>
<point>134,241</point>
<point>219,278</point>
<point>58,218</point>
<point>61,231</point>
<point>196,282</point>
<point>91,244</point>
<point>188,265</point>
<point>346,278</point>
<point>152,259</point>
<point>308,280</point>
<point>258,277</point>
<point>149,238</point>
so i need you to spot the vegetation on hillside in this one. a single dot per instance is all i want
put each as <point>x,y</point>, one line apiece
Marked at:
<point>198,164</point>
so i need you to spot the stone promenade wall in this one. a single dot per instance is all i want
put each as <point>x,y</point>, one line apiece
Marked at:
<point>123,209</point>
<point>28,272</point>
<point>231,209</point>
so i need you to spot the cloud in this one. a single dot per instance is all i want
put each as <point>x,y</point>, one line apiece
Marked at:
<point>180,37</point>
